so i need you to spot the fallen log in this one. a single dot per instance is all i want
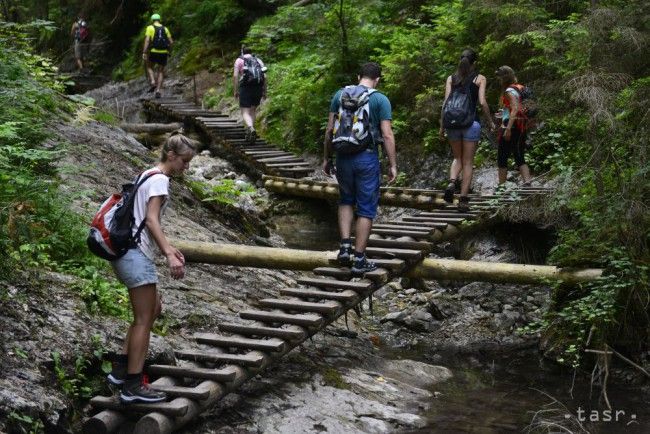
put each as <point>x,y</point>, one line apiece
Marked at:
<point>429,268</point>
<point>152,128</point>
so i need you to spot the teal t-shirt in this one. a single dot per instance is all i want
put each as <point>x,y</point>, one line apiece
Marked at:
<point>380,110</point>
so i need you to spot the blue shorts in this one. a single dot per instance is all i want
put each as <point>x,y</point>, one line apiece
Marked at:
<point>135,269</point>
<point>359,177</point>
<point>469,134</point>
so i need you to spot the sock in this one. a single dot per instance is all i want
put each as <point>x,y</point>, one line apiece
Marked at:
<point>121,359</point>
<point>359,256</point>
<point>346,242</point>
<point>133,378</point>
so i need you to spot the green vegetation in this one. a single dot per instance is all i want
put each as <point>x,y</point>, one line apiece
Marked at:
<point>37,229</point>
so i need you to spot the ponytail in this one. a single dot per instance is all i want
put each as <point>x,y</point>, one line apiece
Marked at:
<point>465,67</point>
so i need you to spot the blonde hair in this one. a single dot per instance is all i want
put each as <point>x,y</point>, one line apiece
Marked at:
<point>178,144</point>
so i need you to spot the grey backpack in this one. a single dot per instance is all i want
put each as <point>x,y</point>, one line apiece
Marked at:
<point>352,128</point>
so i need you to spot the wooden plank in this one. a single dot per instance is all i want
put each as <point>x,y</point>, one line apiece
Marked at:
<point>404,226</point>
<point>250,359</point>
<point>288,334</point>
<point>399,244</point>
<point>284,158</point>
<point>196,393</point>
<point>360,286</point>
<point>172,408</point>
<point>442,217</point>
<point>326,308</point>
<point>394,253</point>
<point>421,225</point>
<point>401,233</point>
<point>270,345</point>
<point>346,296</point>
<point>226,374</point>
<point>304,320</point>
<point>289,164</point>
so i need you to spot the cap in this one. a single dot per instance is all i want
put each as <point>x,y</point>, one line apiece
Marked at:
<point>155,17</point>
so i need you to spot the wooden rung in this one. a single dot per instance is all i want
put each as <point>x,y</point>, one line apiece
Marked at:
<point>406,226</point>
<point>399,244</point>
<point>271,153</point>
<point>251,359</point>
<point>278,165</point>
<point>382,252</point>
<point>401,233</point>
<point>196,393</point>
<point>285,158</point>
<point>433,222</point>
<point>173,408</point>
<point>287,334</point>
<point>360,286</point>
<point>326,308</point>
<point>338,273</point>
<point>226,374</point>
<point>346,296</point>
<point>271,345</point>
<point>442,217</point>
<point>304,320</point>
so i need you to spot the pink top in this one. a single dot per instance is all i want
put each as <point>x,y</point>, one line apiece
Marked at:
<point>239,64</point>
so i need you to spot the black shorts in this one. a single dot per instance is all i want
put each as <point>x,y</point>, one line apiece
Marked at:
<point>250,95</point>
<point>158,58</point>
<point>515,146</point>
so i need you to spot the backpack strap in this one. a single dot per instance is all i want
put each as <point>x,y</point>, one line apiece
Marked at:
<point>141,179</point>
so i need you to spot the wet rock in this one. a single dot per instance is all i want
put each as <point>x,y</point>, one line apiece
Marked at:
<point>394,316</point>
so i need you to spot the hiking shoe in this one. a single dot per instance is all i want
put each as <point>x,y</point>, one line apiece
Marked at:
<point>449,191</point>
<point>117,376</point>
<point>463,204</point>
<point>253,136</point>
<point>140,392</point>
<point>152,88</point>
<point>345,254</point>
<point>362,266</point>
<point>157,94</point>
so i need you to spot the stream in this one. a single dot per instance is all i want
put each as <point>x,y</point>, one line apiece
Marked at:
<point>509,391</point>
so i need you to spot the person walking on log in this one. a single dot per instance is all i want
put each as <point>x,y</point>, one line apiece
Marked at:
<point>249,83</point>
<point>512,134</point>
<point>80,35</point>
<point>359,122</point>
<point>463,90</point>
<point>155,53</point>
<point>137,271</point>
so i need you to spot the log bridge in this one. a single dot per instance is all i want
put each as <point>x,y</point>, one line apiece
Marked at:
<point>230,133</point>
<point>215,364</point>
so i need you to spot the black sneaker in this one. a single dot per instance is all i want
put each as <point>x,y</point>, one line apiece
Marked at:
<point>449,191</point>
<point>253,136</point>
<point>152,88</point>
<point>463,204</point>
<point>117,376</point>
<point>157,94</point>
<point>140,392</point>
<point>362,266</point>
<point>345,254</point>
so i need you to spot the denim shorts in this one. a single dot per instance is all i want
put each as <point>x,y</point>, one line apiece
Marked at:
<point>135,269</point>
<point>469,134</point>
<point>359,177</point>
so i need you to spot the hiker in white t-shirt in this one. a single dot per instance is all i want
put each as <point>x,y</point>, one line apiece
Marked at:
<point>137,270</point>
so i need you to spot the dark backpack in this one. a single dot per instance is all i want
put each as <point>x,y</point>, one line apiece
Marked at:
<point>160,39</point>
<point>459,110</point>
<point>82,32</point>
<point>352,127</point>
<point>527,100</point>
<point>253,73</point>
<point>111,232</point>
